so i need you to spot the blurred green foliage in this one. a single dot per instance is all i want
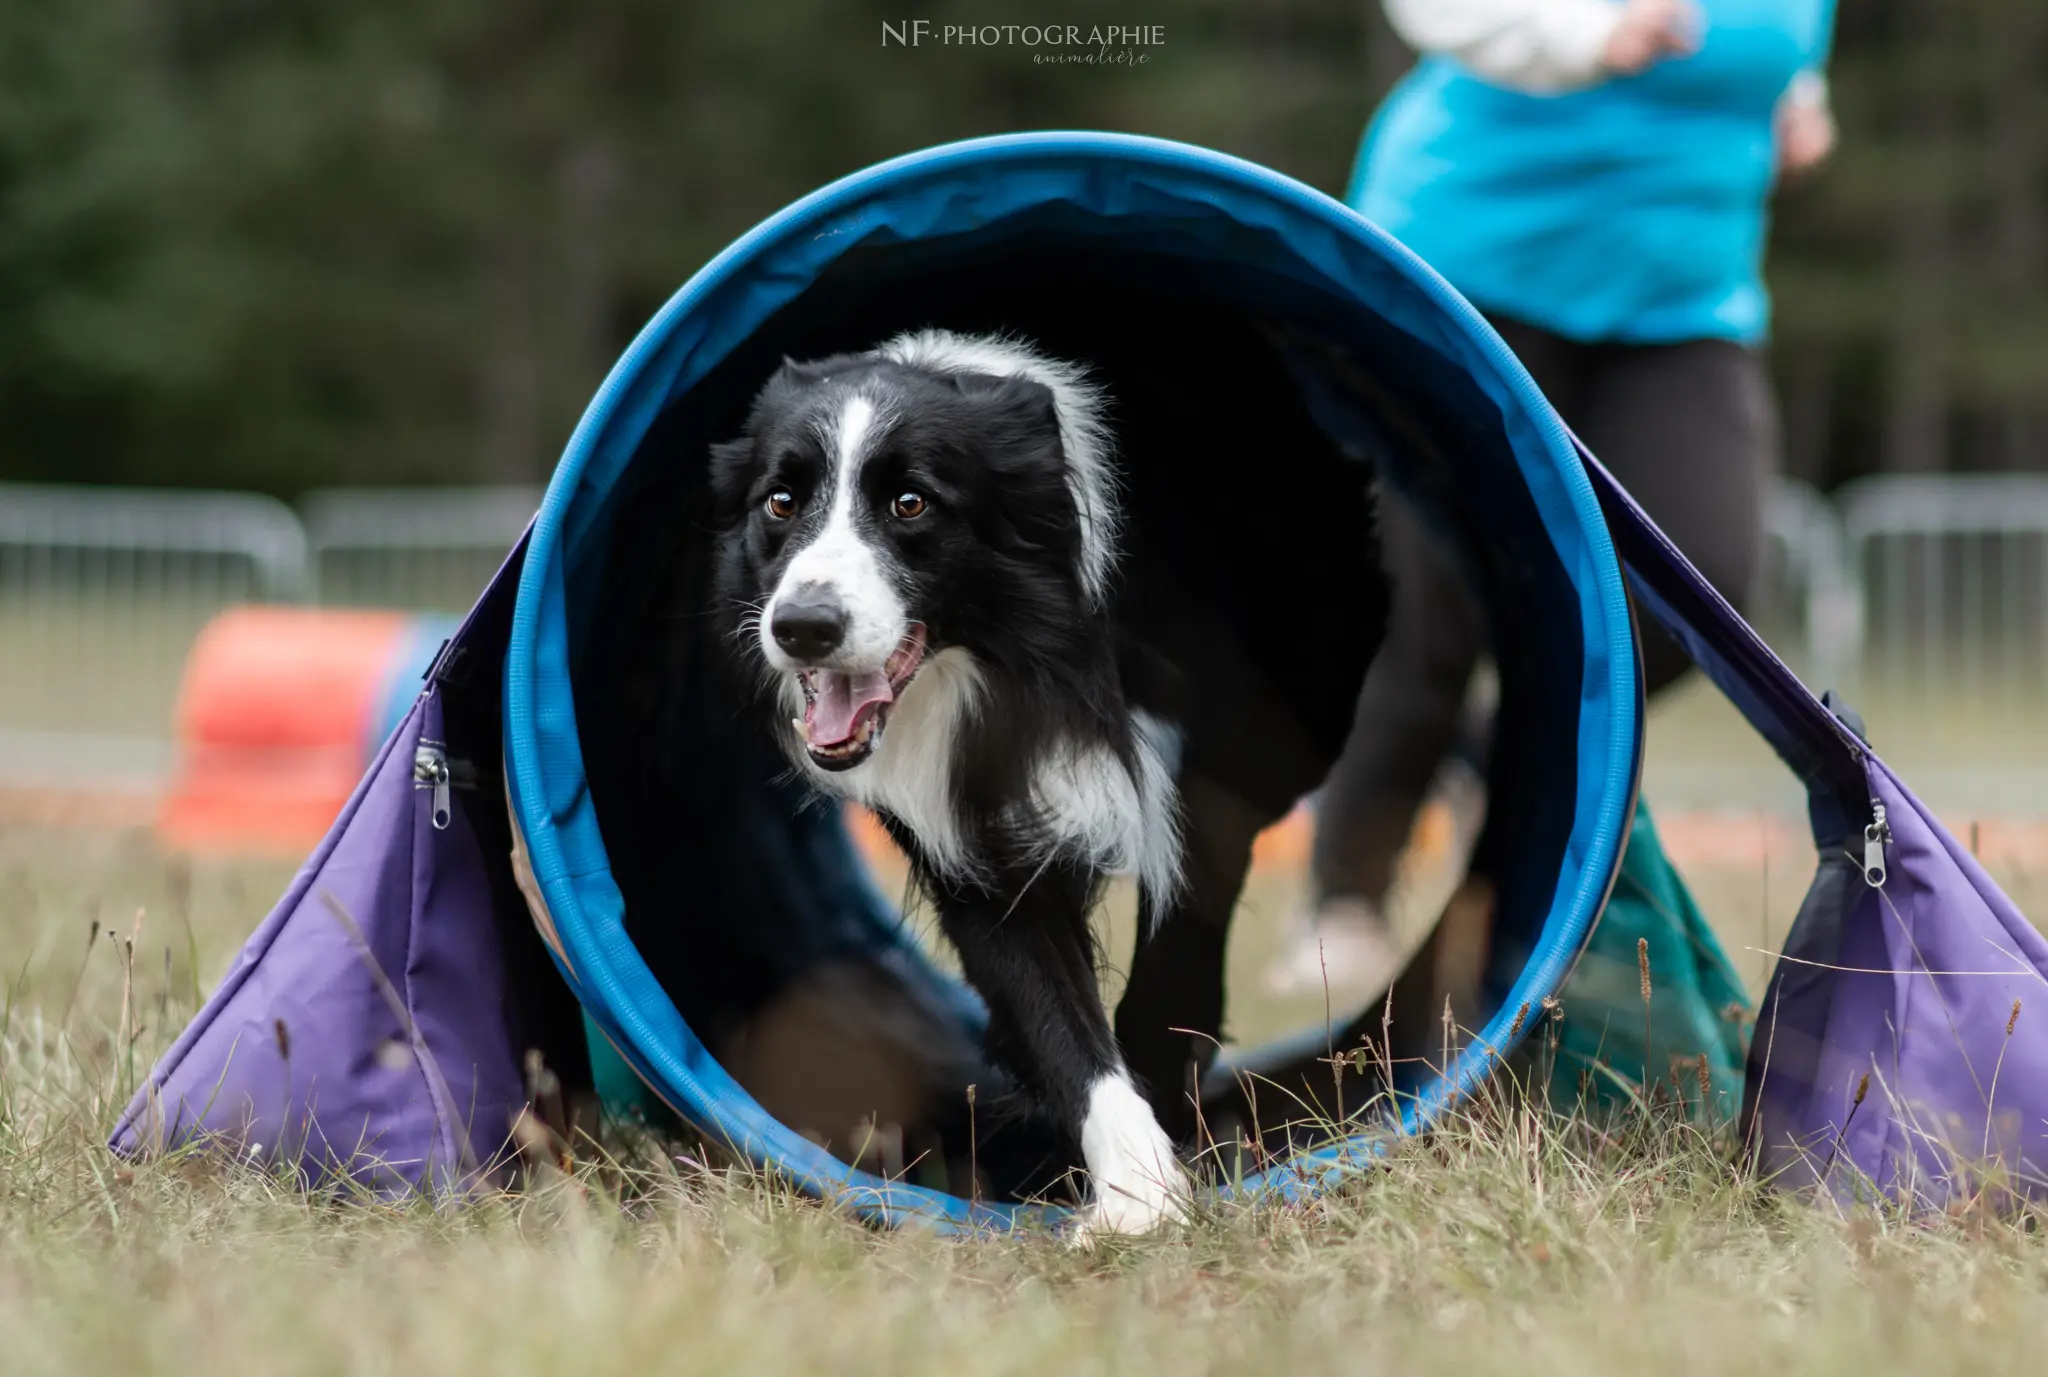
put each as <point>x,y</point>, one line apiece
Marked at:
<point>253,243</point>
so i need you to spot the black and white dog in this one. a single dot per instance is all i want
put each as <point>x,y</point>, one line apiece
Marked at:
<point>922,563</point>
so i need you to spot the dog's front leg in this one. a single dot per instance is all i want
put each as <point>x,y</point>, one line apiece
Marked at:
<point>1026,946</point>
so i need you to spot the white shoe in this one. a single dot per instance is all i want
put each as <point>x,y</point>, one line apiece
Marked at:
<point>1347,950</point>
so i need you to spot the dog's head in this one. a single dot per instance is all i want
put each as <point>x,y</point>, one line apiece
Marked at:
<point>941,494</point>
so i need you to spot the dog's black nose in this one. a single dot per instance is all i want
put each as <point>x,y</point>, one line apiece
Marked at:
<point>809,625</point>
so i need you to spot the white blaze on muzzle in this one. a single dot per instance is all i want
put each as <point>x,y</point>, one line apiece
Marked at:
<point>838,568</point>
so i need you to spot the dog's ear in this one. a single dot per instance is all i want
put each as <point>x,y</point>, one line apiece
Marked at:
<point>803,372</point>
<point>1014,400</point>
<point>730,464</point>
<point>975,384</point>
<point>793,377</point>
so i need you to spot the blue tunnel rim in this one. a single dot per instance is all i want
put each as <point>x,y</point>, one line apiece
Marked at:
<point>542,757</point>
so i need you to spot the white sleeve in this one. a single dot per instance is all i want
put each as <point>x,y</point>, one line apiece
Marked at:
<point>1537,46</point>
<point>1810,87</point>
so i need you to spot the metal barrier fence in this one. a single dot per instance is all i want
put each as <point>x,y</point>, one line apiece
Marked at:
<point>1902,589</point>
<point>1926,601</point>
<point>102,591</point>
<point>1952,573</point>
<point>101,594</point>
<point>423,549</point>
<point>1805,603</point>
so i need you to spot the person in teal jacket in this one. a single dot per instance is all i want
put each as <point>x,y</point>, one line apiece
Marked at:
<point>1595,176</point>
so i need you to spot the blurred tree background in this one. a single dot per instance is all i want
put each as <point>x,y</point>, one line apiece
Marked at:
<point>274,245</point>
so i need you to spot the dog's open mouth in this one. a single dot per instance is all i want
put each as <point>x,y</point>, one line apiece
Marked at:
<point>844,713</point>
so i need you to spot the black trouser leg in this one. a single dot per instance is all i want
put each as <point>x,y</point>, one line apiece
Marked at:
<point>1409,713</point>
<point>1690,429</point>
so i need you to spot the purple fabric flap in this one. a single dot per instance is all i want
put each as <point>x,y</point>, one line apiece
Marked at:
<point>363,1033</point>
<point>1888,1056</point>
<point>1902,1048</point>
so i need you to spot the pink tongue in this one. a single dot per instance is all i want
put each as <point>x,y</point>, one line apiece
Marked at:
<point>836,711</point>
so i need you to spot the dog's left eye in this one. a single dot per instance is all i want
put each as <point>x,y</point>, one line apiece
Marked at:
<point>908,506</point>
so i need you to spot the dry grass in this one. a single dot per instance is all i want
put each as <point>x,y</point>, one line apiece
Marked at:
<point>1507,1243</point>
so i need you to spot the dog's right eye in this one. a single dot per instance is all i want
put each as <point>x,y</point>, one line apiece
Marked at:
<point>781,504</point>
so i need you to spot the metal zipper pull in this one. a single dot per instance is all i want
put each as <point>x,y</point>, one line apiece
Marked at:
<point>1876,837</point>
<point>430,768</point>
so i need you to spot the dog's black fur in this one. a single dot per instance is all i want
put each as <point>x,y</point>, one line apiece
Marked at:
<point>1246,603</point>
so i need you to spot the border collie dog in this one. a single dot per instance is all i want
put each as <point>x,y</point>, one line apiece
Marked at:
<point>919,560</point>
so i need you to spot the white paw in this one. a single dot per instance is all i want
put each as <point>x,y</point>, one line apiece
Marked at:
<point>1135,1182</point>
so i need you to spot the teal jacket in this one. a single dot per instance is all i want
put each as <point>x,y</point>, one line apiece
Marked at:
<point>1635,210</point>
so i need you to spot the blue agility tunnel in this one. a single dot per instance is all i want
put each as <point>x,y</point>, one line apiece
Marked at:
<point>542,781</point>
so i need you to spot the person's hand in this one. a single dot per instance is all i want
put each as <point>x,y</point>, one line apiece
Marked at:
<point>1648,32</point>
<point>1806,134</point>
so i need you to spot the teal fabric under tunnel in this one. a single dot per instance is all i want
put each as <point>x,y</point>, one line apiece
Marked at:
<point>1697,1006</point>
